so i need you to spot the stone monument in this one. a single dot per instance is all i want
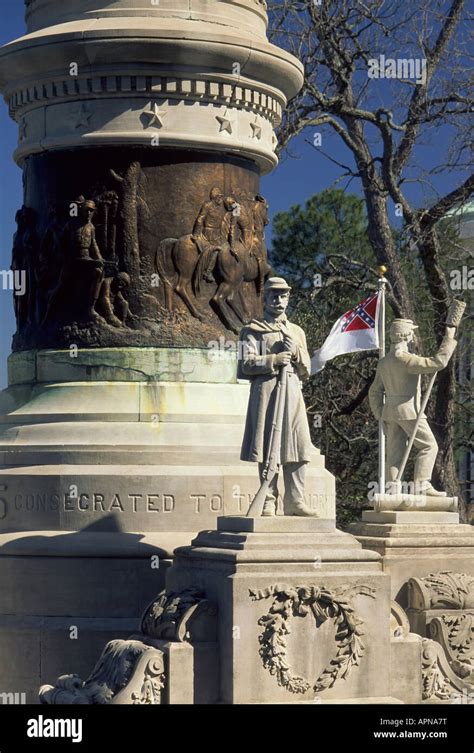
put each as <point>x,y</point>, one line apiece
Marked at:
<point>413,526</point>
<point>219,631</point>
<point>284,608</point>
<point>143,131</point>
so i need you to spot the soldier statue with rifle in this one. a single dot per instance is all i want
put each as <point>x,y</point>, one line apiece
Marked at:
<point>273,355</point>
<point>395,399</point>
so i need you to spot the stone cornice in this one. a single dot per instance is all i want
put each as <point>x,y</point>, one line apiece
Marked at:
<point>93,72</point>
<point>248,14</point>
<point>243,95</point>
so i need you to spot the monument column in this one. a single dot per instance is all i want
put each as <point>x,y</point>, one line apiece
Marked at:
<point>145,108</point>
<point>144,128</point>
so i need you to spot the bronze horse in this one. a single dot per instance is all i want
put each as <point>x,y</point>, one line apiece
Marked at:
<point>177,263</point>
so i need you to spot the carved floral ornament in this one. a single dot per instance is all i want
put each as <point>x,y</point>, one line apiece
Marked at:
<point>322,604</point>
<point>442,590</point>
<point>440,678</point>
<point>133,670</point>
<point>122,663</point>
<point>455,634</point>
<point>435,684</point>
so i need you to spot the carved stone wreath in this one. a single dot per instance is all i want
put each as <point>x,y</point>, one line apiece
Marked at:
<point>323,604</point>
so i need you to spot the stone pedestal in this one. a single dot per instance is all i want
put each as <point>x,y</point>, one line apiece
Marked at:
<point>303,610</point>
<point>415,544</point>
<point>110,460</point>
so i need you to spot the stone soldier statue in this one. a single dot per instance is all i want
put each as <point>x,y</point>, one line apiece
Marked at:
<point>398,377</point>
<point>265,346</point>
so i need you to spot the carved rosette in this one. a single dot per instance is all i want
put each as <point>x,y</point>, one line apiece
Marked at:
<point>322,604</point>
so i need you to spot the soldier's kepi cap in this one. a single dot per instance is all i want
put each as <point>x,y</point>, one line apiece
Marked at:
<point>276,283</point>
<point>402,327</point>
<point>82,202</point>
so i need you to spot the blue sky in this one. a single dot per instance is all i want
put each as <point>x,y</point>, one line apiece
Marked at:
<point>300,175</point>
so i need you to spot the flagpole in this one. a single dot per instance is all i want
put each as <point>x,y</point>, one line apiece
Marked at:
<point>381,333</point>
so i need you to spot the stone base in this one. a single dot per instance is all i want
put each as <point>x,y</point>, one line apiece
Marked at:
<point>136,439</point>
<point>377,700</point>
<point>108,462</point>
<point>416,546</point>
<point>414,503</point>
<point>405,668</point>
<point>411,518</point>
<point>249,568</point>
<point>67,594</point>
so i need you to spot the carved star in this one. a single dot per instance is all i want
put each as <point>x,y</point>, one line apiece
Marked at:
<point>23,129</point>
<point>225,124</point>
<point>257,131</point>
<point>155,116</point>
<point>82,117</point>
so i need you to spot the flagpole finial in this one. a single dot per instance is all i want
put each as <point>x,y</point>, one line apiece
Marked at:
<point>382,269</point>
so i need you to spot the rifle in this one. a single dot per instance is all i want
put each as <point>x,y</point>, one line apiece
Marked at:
<point>273,461</point>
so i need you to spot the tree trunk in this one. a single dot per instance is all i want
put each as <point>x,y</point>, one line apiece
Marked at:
<point>381,238</point>
<point>142,302</point>
<point>442,414</point>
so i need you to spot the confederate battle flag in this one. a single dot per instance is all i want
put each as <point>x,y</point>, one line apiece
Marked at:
<point>357,329</point>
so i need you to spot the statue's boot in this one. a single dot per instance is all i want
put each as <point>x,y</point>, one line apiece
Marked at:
<point>269,508</point>
<point>430,491</point>
<point>300,509</point>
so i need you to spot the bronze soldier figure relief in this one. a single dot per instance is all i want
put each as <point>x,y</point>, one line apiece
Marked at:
<point>80,274</point>
<point>207,231</point>
<point>83,265</point>
<point>23,264</point>
<point>226,248</point>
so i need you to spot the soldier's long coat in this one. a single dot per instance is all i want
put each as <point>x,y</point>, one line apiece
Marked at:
<point>259,342</point>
